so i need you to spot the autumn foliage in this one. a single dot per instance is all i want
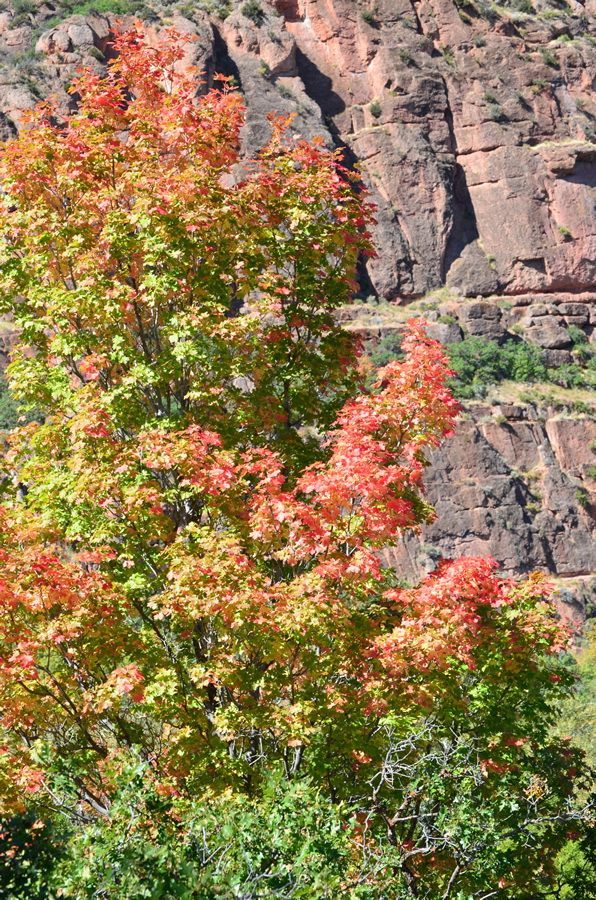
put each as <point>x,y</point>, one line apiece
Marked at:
<point>189,570</point>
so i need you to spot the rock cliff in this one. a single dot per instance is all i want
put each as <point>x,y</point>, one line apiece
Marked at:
<point>473,125</point>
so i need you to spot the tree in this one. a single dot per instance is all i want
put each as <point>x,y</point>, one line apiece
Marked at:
<point>192,596</point>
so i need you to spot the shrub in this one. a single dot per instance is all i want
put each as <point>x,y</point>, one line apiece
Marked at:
<point>449,56</point>
<point>521,361</point>
<point>30,849</point>
<point>11,411</point>
<point>581,408</point>
<point>292,843</point>
<point>253,10</point>
<point>115,7</point>
<point>285,92</point>
<point>8,408</point>
<point>573,375</point>
<point>23,10</point>
<point>575,870</point>
<point>496,114</point>
<point>375,109</point>
<point>577,335</point>
<point>387,349</point>
<point>478,363</point>
<point>549,58</point>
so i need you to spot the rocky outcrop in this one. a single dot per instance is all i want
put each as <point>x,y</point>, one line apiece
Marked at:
<point>517,484</point>
<point>473,125</point>
<point>552,322</point>
<point>512,483</point>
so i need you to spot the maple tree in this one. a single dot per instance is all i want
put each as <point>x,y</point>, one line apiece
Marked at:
<point>190,582</point>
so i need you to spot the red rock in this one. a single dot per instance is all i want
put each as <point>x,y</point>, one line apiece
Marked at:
<point>509,490</point>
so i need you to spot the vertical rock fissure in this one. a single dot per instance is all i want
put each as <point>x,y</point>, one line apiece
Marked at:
<point>419,27</point>
<point>224,64</point>
<point>464,228</point>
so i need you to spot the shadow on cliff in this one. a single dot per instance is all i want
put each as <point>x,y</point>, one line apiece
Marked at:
<point>319,88</point>
<point>464,229</point>
<point>222,61</point>
<point>584,172</point>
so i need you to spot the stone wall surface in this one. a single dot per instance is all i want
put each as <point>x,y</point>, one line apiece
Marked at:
<point>473,125</point>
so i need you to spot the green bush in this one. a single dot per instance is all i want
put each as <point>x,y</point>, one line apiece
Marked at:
<point>23,10</point>
<point>11,412</point>
<point>478,363</point>
<point>522,361</point>
<point>253,10</point>
<point>569,376</point>
<point>523,6</point>
<point>549,58</point>
<point>577,335</point>
<point>575,862</point>
<point>574,376</point>
<point>115,7</point>
<point>291,843</point>
<point>29,849</point>
<point>576,872</point>
<point>387,349</point>
<point>8,408</point>
<point>578,714</point>
<point>449,56</point>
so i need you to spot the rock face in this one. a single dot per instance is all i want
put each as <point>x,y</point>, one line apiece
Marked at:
<point>473,126</point>
<point>517,481</point>
<point>509,488</point>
